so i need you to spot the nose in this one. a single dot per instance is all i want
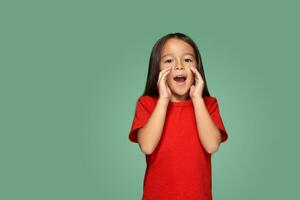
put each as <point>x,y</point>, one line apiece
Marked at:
<point>178,67</point>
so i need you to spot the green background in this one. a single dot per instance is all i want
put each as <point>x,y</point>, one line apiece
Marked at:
<point>71,72</point>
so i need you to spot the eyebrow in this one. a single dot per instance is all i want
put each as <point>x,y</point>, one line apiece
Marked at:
<point>183,54</point>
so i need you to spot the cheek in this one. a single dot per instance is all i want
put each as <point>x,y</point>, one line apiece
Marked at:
<point>169,78</point>
<point>192,76</point>
<point>192,79</point>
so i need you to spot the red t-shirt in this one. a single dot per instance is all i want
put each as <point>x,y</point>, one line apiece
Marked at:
<point>179,168</point>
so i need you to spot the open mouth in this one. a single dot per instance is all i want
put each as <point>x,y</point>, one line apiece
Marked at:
<point>180,79</point>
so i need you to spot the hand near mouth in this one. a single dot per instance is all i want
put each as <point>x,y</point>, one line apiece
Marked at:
<point>197,89</point>
<point>163,88</point>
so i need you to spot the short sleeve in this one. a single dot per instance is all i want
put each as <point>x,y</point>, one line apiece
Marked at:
<point>143,111</point>
<point>214,111</point>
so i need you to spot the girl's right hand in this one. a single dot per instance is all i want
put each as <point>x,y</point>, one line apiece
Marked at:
<point>163,89</point>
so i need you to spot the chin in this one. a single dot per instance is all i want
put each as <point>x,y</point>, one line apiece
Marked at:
<point>180,89</point>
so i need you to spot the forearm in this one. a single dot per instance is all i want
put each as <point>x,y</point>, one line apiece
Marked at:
<point>209,133</point>
<point>150,134</point>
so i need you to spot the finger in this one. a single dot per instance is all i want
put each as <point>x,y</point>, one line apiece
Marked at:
<point>196,72</point>
<point>162,73</point>
<point>193,70</point>
<point>163,77</point>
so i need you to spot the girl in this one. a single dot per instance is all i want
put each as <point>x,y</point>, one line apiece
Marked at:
<point>177,124</point>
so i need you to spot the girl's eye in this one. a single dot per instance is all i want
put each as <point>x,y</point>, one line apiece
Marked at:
<point>188,59</point>
<point>167,61</point>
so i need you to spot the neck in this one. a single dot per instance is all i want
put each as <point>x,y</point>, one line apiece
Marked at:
<point>178,98</point>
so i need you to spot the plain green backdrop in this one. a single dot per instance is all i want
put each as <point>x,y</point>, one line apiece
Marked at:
<point>71,72</point>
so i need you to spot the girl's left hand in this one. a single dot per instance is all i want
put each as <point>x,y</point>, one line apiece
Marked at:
<point>197,89</point>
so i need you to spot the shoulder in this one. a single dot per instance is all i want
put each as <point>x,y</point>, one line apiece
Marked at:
<point>147,102</point>
<point>210,99</point>
<point>211,102</point>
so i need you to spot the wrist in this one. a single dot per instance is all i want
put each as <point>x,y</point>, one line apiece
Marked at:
<point>163,100</point>
<point>198,98</point>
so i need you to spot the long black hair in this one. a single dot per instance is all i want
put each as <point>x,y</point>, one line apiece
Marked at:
<point>153,69</point>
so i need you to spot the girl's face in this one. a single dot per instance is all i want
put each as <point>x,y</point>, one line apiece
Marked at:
<point>180,56</point>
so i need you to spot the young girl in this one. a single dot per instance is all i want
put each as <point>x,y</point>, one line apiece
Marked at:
<point>177,124</point>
